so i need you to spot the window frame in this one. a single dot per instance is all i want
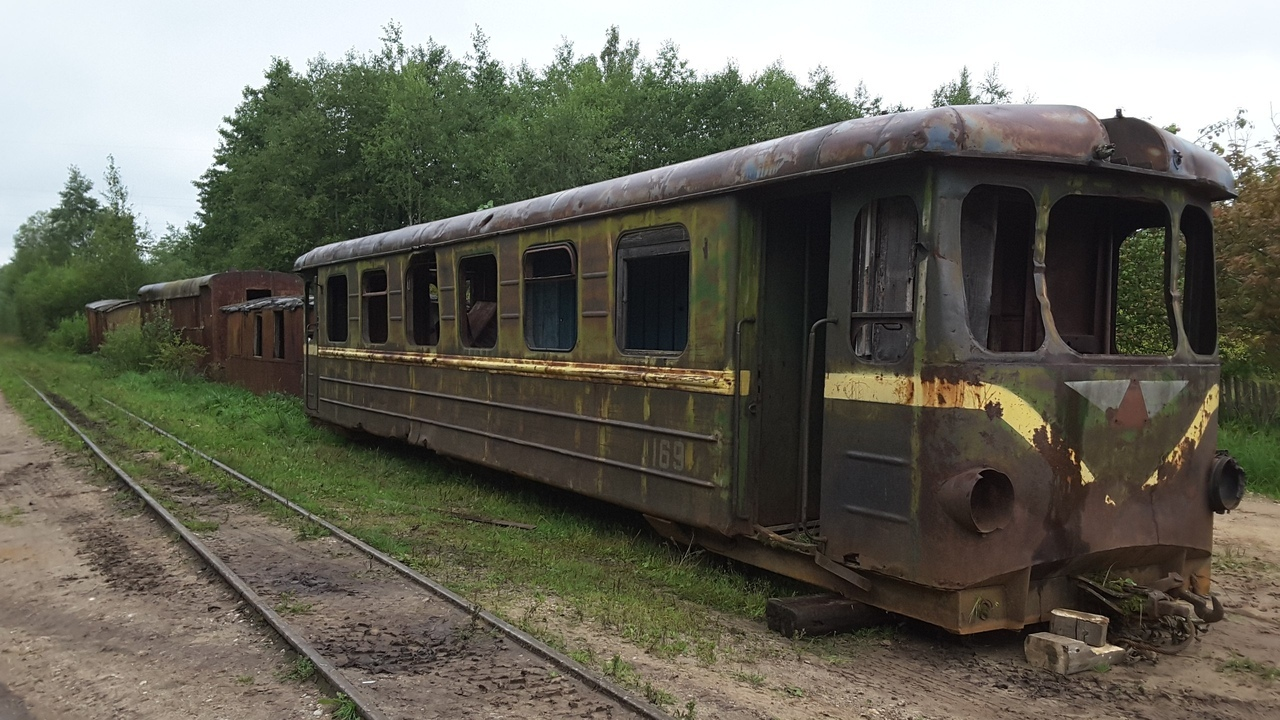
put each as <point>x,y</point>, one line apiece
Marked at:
<point>643,244</point>
<point>416,262</point>
<point>370,296</point>
<point>863,273</point>
<point>460,290</point>
<point>331,320</point>
<point>572,280</point>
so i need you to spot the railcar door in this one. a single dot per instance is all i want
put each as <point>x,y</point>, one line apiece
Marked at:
<point>869,414</point>
<point>793,297</point>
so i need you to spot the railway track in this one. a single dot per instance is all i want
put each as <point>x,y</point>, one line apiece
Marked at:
<point>396,643</point>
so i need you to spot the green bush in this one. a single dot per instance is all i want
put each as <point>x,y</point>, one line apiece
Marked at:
<point>125,349</point>
<point>156,345</point>
<point>71,335</point>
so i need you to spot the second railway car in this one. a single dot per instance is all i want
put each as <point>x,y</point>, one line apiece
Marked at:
<point>884,356</point>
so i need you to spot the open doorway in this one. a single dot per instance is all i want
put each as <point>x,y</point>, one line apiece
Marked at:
<point>797,234</point>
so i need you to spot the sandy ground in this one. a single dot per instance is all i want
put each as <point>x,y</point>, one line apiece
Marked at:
<point>102,615</point>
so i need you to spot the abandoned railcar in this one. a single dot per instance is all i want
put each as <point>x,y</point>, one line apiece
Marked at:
<point>193,306</point>
<point>103,316</point>
<point>885,357</point>
<point>263,344</point>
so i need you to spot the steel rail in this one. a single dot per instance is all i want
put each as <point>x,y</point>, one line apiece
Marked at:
<point>331,674</point>
<point>522,638</point>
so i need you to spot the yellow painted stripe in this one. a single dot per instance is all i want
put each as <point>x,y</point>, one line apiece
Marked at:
<point>714,382</point>
<point>1191,439</point>
<point>912,391</point>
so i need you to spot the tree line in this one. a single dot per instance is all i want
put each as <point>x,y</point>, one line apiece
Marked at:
<point>411,133</point>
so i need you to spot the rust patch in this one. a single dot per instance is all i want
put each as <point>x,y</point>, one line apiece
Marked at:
<point>994,410</point>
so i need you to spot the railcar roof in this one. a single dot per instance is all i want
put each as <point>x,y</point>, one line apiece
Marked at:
<point>1045,133</point>
<point>174,288</point>
<point>107,305</point>
<point>276,302</point>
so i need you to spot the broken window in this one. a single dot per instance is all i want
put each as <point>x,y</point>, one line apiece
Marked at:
<point>335,299</point>
<point>256,293</point>
<point>1106,273</point>
<point>653,287</point>
<point>884,272</point>
<point>478,321</point>
<point>1196,279</point>
<point>278,351</point>
<point>373,292</point>
<point>550,298</point>
<point>997,240</point>
<point>257,334</point>
<point>423,300</point>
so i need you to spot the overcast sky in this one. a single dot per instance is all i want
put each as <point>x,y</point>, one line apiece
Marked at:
<point>150,82</point>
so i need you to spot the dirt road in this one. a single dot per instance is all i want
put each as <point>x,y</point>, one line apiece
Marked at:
<point>104,616</point>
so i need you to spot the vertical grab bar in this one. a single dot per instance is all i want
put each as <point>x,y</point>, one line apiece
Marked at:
<point>737,407</point>
<point>806,404</point>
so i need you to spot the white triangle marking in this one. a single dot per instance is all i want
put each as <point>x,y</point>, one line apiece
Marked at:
<point>1157,393</point>
<point>1104,394</point>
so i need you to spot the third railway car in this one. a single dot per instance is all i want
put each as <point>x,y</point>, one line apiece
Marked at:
<point>884,356</point>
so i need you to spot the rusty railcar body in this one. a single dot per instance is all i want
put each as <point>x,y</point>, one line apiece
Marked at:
<point>194,306</point>
<point>103,316</point>
<point>880,356</point>
<point>264,344</point>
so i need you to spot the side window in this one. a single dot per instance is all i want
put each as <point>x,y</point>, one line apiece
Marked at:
<point>335,300</point>
<point>478,297</point>
<point>1199,314</point>
<point>373,295</point>
<point>257,334</point>
<point>884,272</point>
<point>997,240</point>
<point>550,298</point>
<point>653,290</point>
<point>278,351</point>
<point>423,299</point>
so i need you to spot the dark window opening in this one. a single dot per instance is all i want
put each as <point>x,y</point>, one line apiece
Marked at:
<point>278,351</point>
<point>550,298</point>
<point>256,293</point>
<point>478,295</point>
<point>997,240</point>
<point>1196,281</point>
<point>653,284</point>
<point>1106,273</point>
<point>335,299</point>
<point>423,300</point>
<point>884,272</point>
<point>257,335</point>
<point>373,292</point>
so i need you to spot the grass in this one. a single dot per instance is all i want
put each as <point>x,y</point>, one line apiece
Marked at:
<point>344,708</point>
<point>300,670</point>
<point>1241,664</point>
<point>11,515</point>
<point>595,563</point>
<point>288,605</point>
<point>1255,448</point>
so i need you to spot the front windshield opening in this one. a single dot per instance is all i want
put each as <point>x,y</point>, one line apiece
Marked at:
<point>1106,273</point>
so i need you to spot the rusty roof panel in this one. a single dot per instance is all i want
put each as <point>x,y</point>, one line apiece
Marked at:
<point>277,302</point>
<point>108,305</point>
<point>174,289</point>
<point>1046,133</point>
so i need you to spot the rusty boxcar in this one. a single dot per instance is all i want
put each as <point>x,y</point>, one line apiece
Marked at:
<point>103,316</point>
<point>882,356</point>
<point>193,305</point>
